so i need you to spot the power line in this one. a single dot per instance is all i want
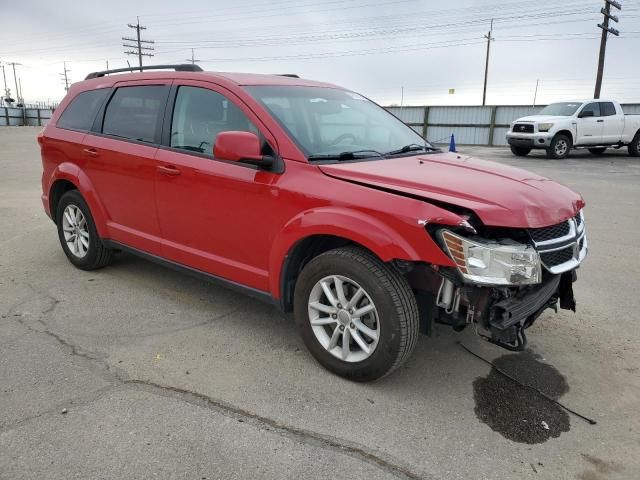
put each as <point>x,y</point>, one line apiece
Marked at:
<point>138,49</point>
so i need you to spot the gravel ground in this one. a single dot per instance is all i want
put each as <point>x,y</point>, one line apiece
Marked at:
<point>135,371</point>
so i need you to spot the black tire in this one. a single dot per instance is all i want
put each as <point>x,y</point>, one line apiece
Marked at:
<point>560,147</point>
<point>97,254</point>
<point>394,301</point>
<point>598,151</point>
<point>520,151</point>
<point>634,146</point>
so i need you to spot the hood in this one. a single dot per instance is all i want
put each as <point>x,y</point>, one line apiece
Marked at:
<point>541,118</point>
<point>500,195</point>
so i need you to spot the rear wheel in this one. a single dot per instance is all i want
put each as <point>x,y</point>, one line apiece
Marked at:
<point>78,235</point>
<point>520,151</point>
<point>598,151</point>
<point>634,146</point>
<point>559,148</point>
<point>357,315</point>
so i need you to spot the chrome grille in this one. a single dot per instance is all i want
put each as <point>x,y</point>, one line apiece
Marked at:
<point>563,246</point>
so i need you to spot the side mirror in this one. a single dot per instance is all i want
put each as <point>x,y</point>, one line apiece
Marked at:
<point>586,113</point>
<point>239,146</point>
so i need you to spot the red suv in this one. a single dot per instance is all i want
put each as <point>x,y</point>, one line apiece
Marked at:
<point>311,197</point>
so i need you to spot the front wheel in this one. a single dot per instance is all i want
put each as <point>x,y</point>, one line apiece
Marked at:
<point>559,148</point>
<point>357,315</point>
<point>598,151</point>
<point>520,151</point>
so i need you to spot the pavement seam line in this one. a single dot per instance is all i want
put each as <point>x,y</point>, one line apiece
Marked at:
<point>306,436</point>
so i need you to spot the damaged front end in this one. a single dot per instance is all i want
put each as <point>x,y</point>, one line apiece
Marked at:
<point>503,280</point>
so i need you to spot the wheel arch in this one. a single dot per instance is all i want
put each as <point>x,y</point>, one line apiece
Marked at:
<point>68,176</point>
<point>311,233</point>
<point>567,133</point>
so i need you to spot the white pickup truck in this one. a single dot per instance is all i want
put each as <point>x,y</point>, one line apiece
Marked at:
<point>592,124</point>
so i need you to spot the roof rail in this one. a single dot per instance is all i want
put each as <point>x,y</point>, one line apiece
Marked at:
<point>292,75</point>
<point>187,67</point>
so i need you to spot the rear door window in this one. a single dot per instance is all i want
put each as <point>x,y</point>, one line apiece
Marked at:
<point>81,112</point>
<point>607,109</point>
<point>134,112</point>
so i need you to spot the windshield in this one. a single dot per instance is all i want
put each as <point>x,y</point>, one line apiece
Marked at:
<point>329,122</point>
<point>560,109</point>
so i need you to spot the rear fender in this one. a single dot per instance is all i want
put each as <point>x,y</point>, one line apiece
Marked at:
<point>72,173</point>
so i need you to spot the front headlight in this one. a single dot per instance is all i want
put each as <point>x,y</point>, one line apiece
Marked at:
<point>492,263</point>
<point>544,127</point>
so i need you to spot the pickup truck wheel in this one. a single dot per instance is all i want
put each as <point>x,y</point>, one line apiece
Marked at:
<point>357,315</point>
<point>78,235</point>
<point>520,151</point>
<point>559,148</point>
<point>598,151</point>
<point>634,146</point>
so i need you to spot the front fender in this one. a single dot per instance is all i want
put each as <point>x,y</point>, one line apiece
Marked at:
<point>72,173</point>
<point>388,237</point>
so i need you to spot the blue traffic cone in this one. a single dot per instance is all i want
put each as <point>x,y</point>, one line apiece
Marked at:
<point>452,144</point>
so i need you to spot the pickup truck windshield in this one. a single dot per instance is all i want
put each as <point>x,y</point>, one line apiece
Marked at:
<point>560,109</point>
<point>334,124</point>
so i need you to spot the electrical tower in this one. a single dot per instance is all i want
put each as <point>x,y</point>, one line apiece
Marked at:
<point>65,77</point>
<point>489,38</point>
<point>606,30</point>
<point>192,59</point>
<point>140,48</point>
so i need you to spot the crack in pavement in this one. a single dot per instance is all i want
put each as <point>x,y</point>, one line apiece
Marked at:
<point>119,378</point>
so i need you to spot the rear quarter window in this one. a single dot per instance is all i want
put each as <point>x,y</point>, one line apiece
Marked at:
<point>82,110</point>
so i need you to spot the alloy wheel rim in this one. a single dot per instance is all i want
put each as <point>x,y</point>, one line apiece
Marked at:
<point>75,230</point>
<point>561,147</point>
<point>344,318</point>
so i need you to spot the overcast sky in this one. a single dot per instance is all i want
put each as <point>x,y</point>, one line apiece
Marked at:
<point>376,47</point>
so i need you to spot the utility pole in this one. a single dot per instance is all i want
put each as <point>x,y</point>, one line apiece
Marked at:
<point>489,38</point>
<point>65,77</point>
<point>15,78</point>
<point>606,30</point>
<point>7,92</point>
<point>107,61</point>
<point>193,58</point>
<point>535,95</point>
<point>138,49</point>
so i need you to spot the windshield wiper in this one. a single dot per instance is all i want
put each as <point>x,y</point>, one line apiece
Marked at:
<point>347,155</point>
<point>412,147</point>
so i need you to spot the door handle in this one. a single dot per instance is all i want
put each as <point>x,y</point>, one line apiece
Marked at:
<point>600,121</point>
<point>92,152</point>
<point>169,170</point>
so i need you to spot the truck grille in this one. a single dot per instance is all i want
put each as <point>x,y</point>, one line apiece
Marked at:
<point>562,246</point>
<point>523,128</point>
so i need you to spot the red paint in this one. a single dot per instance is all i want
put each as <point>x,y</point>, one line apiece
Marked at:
<point>236,146</point>
<point>240,223</point>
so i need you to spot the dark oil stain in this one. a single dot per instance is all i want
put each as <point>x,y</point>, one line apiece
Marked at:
<point>516,412</point>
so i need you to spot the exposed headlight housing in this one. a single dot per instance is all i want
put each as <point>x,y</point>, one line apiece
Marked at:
<point>493,263</point>
<point>545,127</point>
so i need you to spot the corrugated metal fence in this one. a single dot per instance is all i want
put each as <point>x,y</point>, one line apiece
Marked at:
<point>16,117</point>
<point>471,125</point>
